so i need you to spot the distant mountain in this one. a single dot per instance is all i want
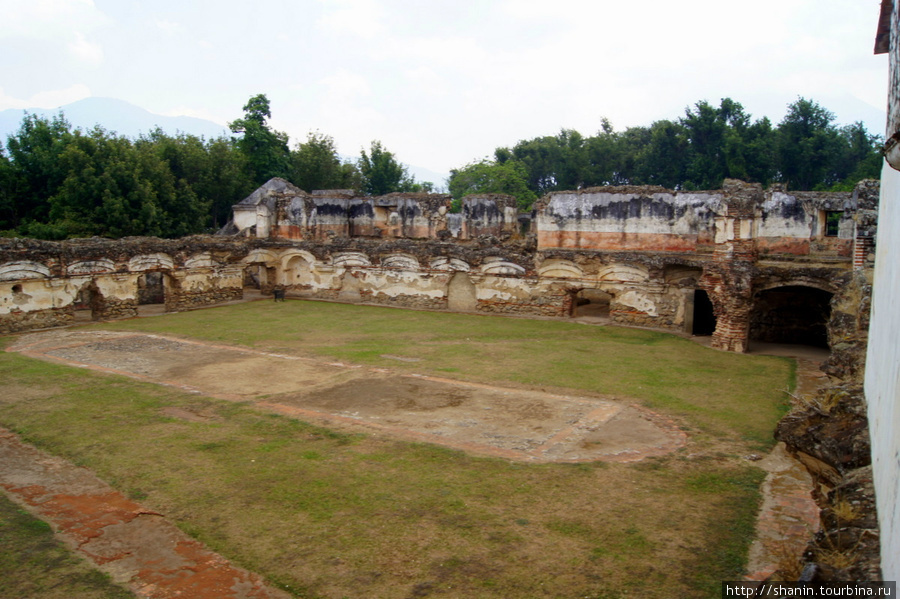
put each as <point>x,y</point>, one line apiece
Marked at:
<point>113,115</point>
<point>423,174</point>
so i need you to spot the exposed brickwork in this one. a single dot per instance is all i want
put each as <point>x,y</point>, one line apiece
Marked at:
<point>112,308</point>
<point>189,300</point>
<point>19,321</point>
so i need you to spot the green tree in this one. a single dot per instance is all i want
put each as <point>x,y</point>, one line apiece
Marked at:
<point>226,182</point>
<point>7,201</point>
<point>760,150</point>
<point>116,188</point>
<point>808,146</point>
<point>707,133</point>
<point>508,177</point>
<point>605,159</point>
<point>411,185</point>
<point>34,152</point>
<point>631,156</point>
<point>664,160</point>
<point>104,193</point>
<point>860,157</point>
<point>266,150</point>
<point>316,164</point>
<point>187,160</point>
<point>381,173</point>
<point>553,162</point>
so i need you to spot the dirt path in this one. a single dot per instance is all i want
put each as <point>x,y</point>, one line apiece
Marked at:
<point>138,548</point>
<point>789,515</point>
<point>516,424</point>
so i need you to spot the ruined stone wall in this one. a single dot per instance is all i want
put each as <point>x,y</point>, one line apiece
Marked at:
<point>488,214</point>
<point>628,218</point>
<point>795,223</point>
<point>655,219</point>
<point>830,434</point>
<point>648,250</point>
<point>43,283</point>
<point>200,287</point>
<point>279,210</point>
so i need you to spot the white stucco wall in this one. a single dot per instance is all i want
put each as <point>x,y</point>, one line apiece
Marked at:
<point>690,212</point>
<point>883,373</point>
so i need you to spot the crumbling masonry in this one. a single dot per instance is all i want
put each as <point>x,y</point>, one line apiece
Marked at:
<point>741,263</point>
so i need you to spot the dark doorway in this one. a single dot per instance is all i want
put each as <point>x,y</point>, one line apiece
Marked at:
<point>87,303</point>
<point>151,289</point>
<point>591,302</point>
<point>704,316</point>
<point>792,314</point>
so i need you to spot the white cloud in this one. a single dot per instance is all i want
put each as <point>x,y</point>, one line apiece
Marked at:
<point>170,28</point>
<point>354,17</point>
<point>443,80</point>
<point>49,19</point>
<point>425,80</point>
<point>46,99</point>
<point>67,25</point>
<point>86,52</point>
<point>344,87</point>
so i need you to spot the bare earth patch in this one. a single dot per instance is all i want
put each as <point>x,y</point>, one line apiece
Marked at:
<point>518,424</point>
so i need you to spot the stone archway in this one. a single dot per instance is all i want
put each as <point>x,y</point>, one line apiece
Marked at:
<point>87,303</point>
<point>795,314</point>
<point>298,273</point>
<point>591,303</point>
<point>259,276</point>
<point>151,288</point>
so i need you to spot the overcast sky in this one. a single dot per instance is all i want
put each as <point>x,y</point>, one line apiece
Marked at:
<point>443,82</point>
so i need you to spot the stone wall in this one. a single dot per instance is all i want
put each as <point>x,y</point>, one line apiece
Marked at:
<point>628,218</point>
<point>649,250</point>
<point>282,211</point>
<point>43,283</point>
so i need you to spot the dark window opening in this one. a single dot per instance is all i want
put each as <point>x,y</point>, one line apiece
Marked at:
<point>832,223</point>
<point>704,316</point>
<point>591,302</point>
<point>151,289</point>
<point>792,314</point>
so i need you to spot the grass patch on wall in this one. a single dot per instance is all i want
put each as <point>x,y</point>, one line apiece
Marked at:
<point>326,514</point>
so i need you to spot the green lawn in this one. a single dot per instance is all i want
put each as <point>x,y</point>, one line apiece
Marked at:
<point>324,513</point>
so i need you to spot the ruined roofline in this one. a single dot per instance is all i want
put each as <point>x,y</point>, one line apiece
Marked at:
<point>501,199</point>
<point>275,185</point>
<point>728,186</point>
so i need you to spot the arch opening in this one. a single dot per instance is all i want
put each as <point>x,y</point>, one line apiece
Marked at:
<point>704,317</point>
<point>591,303</point>
<point>792,314</point>
<point>298,272</point>
<point>258,275</point>
<point>151,288</point>
<point>86,306</point>
<point>461,293</point>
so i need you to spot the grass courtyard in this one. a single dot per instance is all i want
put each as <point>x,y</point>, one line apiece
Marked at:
<point>333,513</point>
